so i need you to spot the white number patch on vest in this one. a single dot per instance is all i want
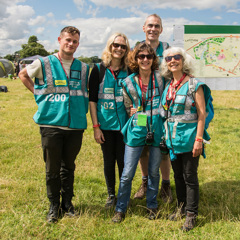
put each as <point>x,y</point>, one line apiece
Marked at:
<point>56,98</point>
<point>109,105</point>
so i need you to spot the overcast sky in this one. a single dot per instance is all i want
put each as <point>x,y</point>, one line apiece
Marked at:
<point>97,19</point>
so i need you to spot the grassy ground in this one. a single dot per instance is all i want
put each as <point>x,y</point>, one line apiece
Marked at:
<point>23,201</point>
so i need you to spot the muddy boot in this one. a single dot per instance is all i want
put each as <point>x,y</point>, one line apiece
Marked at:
<point>178,213</point>
<point>141,193</point>
<point>190,221</point>
<point>166,193</point>
<point>118,217</point>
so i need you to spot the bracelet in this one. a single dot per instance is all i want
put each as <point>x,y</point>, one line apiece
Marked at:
<point>96,125</point>
<point>198,139</point>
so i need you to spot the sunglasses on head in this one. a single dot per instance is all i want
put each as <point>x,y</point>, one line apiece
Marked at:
<point>177,57</point>
<point>143,56</point>
<point>117,45</point>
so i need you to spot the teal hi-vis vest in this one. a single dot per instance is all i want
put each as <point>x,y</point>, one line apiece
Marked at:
<point>133,134</point>
<point>160,49</point>
<point>111,111</point>
<point>62,101</point>
<point>180,126</point>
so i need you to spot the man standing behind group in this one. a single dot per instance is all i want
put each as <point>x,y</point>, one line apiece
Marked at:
<point>60,91</point>
<point>153,28</point>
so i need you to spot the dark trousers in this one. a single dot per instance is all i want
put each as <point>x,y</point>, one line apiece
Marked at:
<point>113,150</point>
<point>60,149</point>
<point>186,181</point>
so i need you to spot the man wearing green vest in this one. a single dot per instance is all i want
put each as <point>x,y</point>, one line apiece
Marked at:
<point>153,28</point>
<point>60,91</point>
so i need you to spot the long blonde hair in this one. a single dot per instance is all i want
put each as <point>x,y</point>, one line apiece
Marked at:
<point>107,52</point>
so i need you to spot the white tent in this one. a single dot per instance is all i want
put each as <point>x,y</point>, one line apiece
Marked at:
<point>25,61</point>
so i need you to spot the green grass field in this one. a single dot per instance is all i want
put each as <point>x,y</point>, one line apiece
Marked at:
<point>23,201</point>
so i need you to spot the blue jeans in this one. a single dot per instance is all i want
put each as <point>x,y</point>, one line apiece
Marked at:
<point>131,158</point>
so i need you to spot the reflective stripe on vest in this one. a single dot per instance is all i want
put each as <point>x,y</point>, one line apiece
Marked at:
<point>50,87</point>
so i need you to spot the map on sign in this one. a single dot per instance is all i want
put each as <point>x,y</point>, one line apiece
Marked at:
<point>216,54</point>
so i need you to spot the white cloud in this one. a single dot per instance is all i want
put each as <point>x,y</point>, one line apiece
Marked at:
<point>40,30</point>
<point>93,40</point>
<point>15,25</point>
<point>234,11</point>
<point>92,11</point>
<point>80,4</point>
<point>174,4</point>
<point>36,21</point>
<point>50,15</point>
<point>217,17</point>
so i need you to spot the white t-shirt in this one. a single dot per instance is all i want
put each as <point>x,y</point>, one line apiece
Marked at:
<point>34,70</point>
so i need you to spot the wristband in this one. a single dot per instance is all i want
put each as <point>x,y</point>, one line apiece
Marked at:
<point>198,139</point>
<point>96,125</point>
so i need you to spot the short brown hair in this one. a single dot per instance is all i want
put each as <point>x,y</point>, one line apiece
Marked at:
<point>156,16</point>
<point>132,57</point>
<point>70,29</point>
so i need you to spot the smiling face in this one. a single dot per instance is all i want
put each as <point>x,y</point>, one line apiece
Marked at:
<point>68,44</point>
<point>118,52</point>
<point>152,28</point>
<point>175,66</point>
<point>144,64</point>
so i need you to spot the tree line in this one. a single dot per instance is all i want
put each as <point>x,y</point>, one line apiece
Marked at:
<point>32,48</point>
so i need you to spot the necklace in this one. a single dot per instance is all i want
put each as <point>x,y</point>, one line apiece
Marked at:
<point>172,90</point>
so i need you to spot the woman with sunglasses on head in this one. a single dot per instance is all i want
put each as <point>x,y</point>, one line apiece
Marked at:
<point>142,94</point>
<point>107,108</point>
<point>183,106</point>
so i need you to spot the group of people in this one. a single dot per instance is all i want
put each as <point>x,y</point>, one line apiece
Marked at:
<point>141,111</point>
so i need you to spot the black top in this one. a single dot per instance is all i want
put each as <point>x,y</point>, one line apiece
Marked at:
<point>95,80</point>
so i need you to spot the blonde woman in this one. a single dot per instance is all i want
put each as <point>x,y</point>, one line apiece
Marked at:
<point>107,108</point>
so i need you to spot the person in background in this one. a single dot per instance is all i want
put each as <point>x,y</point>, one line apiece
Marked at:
<point>107,108</point>
<point>184,129</point>
<point>60,91</point>
<point>142,93</point>
<point>153,29</point>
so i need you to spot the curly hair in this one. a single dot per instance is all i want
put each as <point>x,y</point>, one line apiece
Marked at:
<point>132,57</point>
<point>187,60</point>
<point>107,52</point>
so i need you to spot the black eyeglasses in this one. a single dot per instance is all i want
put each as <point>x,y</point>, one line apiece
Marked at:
<point>117,45</point>
<point>143,56</point>
<point>177,57</point>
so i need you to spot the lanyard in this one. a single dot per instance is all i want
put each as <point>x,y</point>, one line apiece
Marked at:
<point>113,73</point>
<point>172,90</point>
<point>153,83</point>
<point>60,59</point>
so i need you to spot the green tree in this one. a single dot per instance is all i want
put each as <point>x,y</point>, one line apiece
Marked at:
<point>33,48</point>
<point>9,57</point>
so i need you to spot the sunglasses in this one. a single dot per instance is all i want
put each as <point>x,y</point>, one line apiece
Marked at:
<point>143,56</point>
<point>176,57</point>
<point>117,45</point>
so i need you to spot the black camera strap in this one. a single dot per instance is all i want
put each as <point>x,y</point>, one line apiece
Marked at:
<point>151,103</point>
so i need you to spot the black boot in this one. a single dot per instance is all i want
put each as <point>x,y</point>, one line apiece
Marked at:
<point>53,213</point>
<point>68,208</point>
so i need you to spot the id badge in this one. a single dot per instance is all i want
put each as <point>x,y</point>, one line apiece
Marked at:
<point>142,120</point>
